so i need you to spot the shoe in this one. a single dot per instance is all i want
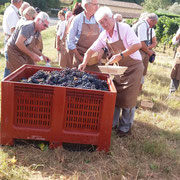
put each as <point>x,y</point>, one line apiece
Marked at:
<point>123,134</point>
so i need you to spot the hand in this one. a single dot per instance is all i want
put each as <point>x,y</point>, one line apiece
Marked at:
<point>82,66</point>
<point>35,58</point>
<point>151,52</point>
<point>46,59</point>
<point>115,58</point>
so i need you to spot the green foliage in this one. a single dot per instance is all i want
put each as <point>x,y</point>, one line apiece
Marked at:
<point>3,7</point>
<point>154,5</point>
<point>175,8</point>
<point>166,28</point>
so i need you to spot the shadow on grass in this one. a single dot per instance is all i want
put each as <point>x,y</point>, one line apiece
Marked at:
<point>148,147</point>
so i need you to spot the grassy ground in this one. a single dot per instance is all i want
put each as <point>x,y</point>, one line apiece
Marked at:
<point>152,152</point>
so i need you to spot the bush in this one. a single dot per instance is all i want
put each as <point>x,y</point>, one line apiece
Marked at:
<point>3,7</point>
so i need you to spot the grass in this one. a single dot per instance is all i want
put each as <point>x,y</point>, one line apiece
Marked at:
<point>152,152</point>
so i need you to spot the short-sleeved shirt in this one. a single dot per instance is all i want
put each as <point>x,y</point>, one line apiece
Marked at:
<point>143,28</point>
<point>76,27</point>
<point>27,30</point>
<point>127,35</point>
<point>10,19</point>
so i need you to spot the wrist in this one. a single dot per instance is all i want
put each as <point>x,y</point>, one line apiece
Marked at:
<point>121,55</point>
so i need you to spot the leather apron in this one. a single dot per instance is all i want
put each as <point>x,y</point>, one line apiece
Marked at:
<point>89,35</point>
<point>127,85</point>
<point>175,73</point>
<point>16,58</point>
<point>145,60</point>
<point>64,57</point>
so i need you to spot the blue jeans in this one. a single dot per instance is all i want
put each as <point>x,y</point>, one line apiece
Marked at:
<point>174,85</point>
<point>6,70</point>
<point>126,121</point>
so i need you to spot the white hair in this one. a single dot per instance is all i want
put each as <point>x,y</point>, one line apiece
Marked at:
<point>23,7</point>
<point>43,16</point>
<point>15,1</point>
<point>67,13</point>
<point>101,12</point>
<point>30,11</point>
<point>152,16</point>
<point>85,2</point>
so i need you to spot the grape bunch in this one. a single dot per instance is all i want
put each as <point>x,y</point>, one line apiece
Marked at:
<point>69,78</point>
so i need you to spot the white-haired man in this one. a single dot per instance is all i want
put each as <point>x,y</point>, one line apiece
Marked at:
<point>142,29</point>
<point>123,43</point>
<point>118,17</point>
<point>84,30</point>
<point>21,45</point>
<point>10,19</point>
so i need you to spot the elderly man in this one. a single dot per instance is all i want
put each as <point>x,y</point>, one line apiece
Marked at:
<point>118,17</point>
<point>123,44</point>
<point>142,29</point>
<point>10,19</point>
<point>84,30</point>
<point>21,45</point>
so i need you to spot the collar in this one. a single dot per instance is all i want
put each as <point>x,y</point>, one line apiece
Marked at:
<point>147,23</point>
<point>15,8</point>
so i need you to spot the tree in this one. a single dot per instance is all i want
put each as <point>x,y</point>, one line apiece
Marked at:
<point>154,5</point>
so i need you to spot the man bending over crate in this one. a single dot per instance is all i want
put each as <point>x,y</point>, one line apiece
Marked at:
<point>21,45</point>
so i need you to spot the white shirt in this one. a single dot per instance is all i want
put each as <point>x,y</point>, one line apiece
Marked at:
<point>174,41</point>
<point>10,19</point>
<point>142,31</point>
<point>61,29</point>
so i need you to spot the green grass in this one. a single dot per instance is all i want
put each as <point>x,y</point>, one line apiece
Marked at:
<point>151,152</point>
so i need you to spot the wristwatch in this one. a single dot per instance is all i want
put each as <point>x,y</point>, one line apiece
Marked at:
<point>121,54</point>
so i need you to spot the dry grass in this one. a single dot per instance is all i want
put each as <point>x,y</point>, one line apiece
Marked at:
<point>152,152</point>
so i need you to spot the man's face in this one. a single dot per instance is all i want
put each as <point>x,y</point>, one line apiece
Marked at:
<point>92,7</point>
<point>107,23</point>
<point>152,23</point>
<point>42,25</point>
<point>19,4</point>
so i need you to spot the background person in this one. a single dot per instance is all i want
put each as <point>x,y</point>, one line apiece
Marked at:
<point>10,19</point>
<point>84,30</point>
<point>141,29</point>
<point>175,73</point>
<point>123,44</point>
<point>24,35</point>
<point>64,59</point>
<point>23,7</point>
<point>118,17</point>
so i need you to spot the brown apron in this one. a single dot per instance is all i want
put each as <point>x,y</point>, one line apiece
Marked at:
<point>89,35</point>
<point>145,60</point>
<point>64,57</point>
<point>39,42</point>
<point>16,58</point>
<point>127,85</point>
<point>175,73</point>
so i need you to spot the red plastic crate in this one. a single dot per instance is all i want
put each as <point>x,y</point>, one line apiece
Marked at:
<point>55,114</point>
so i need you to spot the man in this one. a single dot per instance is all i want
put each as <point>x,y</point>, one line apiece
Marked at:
<point>175,73</point>
<point>141,29</point>
<point>21,46</point>
<point>84,30</point>
<point>10,19</point>
<point>123,44</point>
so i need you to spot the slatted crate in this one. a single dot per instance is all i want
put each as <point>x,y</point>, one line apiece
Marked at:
<point>55,114</point>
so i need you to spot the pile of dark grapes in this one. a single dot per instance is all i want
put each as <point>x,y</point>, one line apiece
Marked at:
<point>69,78</point>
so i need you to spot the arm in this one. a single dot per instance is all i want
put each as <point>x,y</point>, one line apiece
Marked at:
<point>20,44</point>
<point>127,52</point>
<point>146,49</point>
<point>87,56</point>
<point>154,43</point>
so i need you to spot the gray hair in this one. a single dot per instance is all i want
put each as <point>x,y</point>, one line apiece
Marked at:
<point>15,1</point>
<point>30,11</point>
<point>152,16</point>
<point>23,7</point>
<point>43,16</point>
<point>101,12</point>
<point>85,2</point>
